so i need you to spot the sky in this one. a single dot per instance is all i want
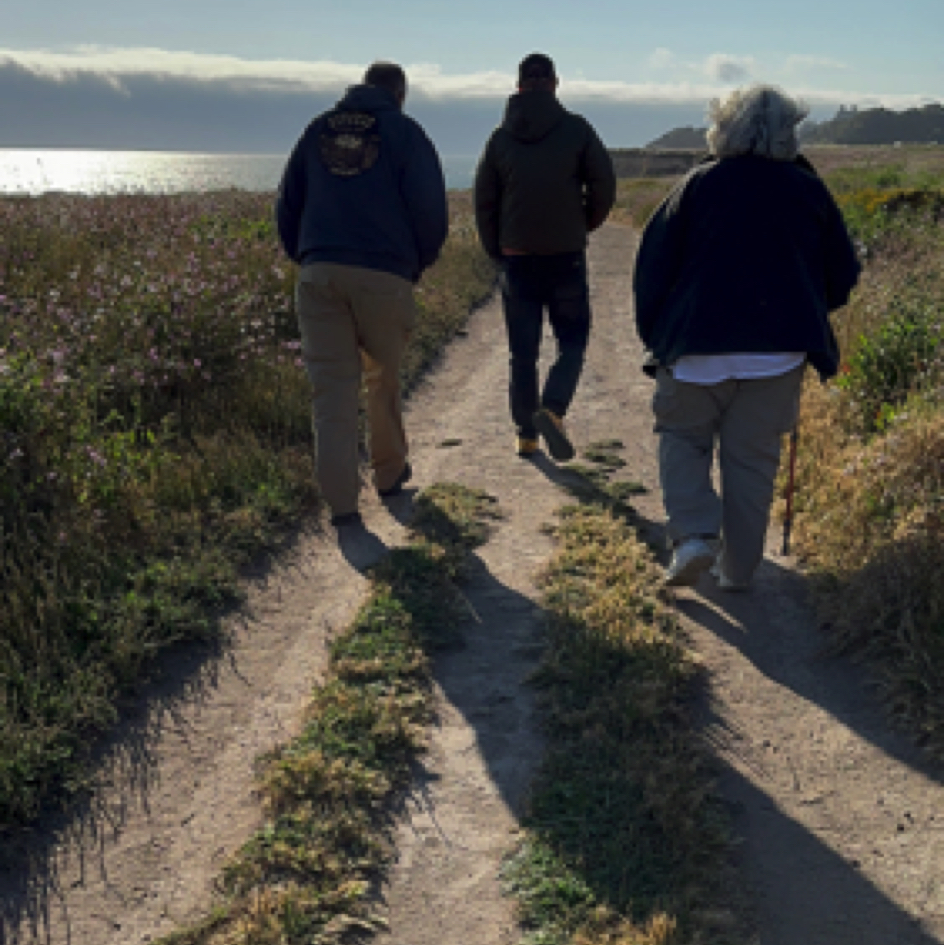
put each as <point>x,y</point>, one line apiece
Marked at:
<point>207,75</point>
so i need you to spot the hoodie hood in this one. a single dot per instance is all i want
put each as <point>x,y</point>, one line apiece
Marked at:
<point>531,116</point>
<point>368,98</point>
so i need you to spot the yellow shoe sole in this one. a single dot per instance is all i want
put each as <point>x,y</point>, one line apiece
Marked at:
<point>526,447</point>
<point>551,428</point>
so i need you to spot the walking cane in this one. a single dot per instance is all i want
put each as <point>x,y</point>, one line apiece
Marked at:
<point>791,482</point>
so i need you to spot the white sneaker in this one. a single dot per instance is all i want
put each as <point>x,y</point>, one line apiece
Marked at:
<point>691,557</point>
<point>724,582</point>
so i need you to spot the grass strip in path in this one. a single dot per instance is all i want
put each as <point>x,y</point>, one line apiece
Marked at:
<point>624,842</point>
<point>306,877</point>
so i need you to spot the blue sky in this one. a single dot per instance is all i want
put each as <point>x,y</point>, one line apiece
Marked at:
<point>636,66</point>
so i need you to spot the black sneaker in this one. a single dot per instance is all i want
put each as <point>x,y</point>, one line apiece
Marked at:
<point>398,485</point>
<point>551,427</point>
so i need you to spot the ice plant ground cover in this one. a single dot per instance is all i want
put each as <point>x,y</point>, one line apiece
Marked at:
<point>154,436</point>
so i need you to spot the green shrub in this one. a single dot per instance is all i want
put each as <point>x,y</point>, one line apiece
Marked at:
<point>873,214</point>
<point>847,180</point>
<point>897,358</point>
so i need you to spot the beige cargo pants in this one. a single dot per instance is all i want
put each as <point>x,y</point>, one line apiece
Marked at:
<point>747,419</point>
<point>354,322</point>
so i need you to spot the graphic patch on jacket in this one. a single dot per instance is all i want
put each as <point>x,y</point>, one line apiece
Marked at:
<point>349,143</point>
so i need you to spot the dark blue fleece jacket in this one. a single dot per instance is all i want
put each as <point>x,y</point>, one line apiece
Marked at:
<point>391,216</point>
<point>746,254</point>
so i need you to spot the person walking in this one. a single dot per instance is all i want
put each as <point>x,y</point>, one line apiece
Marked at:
<point>362,210</point>
<point>736,274</point>
<point>544,182</point>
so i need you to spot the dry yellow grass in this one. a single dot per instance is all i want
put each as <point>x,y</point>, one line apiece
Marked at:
<point>870,502</point>
<point>638,197</point>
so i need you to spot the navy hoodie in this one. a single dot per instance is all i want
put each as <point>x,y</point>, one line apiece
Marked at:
<point>387,213</point>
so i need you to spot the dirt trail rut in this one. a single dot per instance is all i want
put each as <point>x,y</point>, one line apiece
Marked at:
<point>843,823</point>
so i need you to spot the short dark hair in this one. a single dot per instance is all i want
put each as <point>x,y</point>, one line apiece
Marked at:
<point>536,72</point>
<point>389,76</point>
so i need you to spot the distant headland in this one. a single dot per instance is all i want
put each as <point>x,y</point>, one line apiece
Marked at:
<point>850,125</point>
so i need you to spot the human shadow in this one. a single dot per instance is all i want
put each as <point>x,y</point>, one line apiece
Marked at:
<point>585,484</point>
<point>827,900</point>
<point>123,765</point>
<point>822,897</point>
<point>775,626</point>
<point>400,506</point>
<point>360,547</point>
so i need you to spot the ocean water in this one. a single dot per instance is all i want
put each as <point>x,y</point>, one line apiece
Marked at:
<point>160,172</point>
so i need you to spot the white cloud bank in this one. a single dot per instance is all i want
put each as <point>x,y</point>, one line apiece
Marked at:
<point>723,71</point>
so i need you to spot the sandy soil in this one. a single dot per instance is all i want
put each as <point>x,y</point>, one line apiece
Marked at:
<point>843,822</point>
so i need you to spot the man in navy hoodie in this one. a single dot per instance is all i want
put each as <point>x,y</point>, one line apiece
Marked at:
<point>362,210</point>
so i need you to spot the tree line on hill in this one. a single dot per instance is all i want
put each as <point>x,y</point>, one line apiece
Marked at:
<point>850,125</point>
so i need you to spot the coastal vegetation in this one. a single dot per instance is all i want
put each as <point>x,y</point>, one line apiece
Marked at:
<point>870,488</point>
<point>857,126</point>
<point>154,437</point>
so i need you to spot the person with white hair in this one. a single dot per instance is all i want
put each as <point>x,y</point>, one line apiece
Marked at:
<point>735,277</point>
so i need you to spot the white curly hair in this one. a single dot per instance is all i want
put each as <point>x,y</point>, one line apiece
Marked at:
<point>760,119</point>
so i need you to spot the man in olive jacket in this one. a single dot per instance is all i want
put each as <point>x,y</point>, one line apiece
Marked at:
<point>544,182</point>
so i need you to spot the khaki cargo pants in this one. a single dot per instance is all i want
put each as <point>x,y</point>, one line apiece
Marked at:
<point>354,322</point>
<point>747,419</point>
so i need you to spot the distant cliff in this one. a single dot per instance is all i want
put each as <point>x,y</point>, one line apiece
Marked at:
<point>849,126</point>
<point>878,126</point>
<point>687,137</point>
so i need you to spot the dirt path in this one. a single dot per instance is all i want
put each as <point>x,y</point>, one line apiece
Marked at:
<point>841,842</point>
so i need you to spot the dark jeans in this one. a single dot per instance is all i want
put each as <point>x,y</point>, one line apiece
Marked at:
<point>529,285</point>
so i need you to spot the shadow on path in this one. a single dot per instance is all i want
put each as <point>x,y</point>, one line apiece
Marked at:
<point>126,764</point>
<point>818,772</point>
<point>66,849</point>
<point>822,898</point>
<point>774,626</point>
<point>819,897</point>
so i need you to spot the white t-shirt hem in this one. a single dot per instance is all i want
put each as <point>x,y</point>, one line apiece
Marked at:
<point>740,366</point>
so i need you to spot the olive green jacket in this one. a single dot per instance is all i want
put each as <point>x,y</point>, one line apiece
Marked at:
<point>544,181</point>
